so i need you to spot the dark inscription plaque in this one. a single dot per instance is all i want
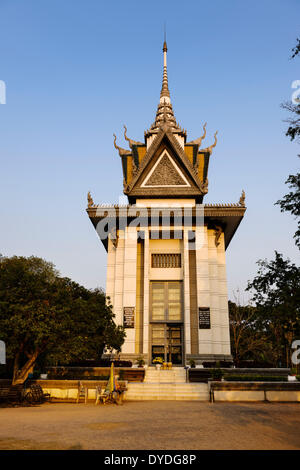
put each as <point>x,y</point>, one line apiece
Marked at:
<point>204,318</point>
<point>128,317</point>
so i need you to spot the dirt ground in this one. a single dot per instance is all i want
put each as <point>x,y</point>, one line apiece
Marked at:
<point>151,425</point>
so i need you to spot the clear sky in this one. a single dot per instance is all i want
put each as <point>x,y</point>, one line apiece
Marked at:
<point>76,71</point>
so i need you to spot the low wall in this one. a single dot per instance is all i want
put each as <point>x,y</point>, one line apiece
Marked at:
<point>255,391</point>
<point>204,374</point>
<point>67,390</point>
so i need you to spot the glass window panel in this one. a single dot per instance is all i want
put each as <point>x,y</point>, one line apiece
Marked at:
<point>158,332</point>
<point>175,311</point>
<point>174,292</point>
<point>158,292</point>
<point>158,311</point>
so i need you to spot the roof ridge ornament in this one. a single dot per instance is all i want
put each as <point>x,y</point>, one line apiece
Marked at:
<point>199,140</point>
<point>90,200</point>
<point>130,141</point>
<point>242,199</point>
<point>121,151</point>
<point>209,149</point>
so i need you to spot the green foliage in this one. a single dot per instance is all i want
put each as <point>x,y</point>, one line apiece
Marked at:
<point>248,340</point>
<point>216,374</point>
<point>43,314</point>
<point>296,49</point>
<point>140,361</point>
<point>291,201</point>
<point>276,293</point>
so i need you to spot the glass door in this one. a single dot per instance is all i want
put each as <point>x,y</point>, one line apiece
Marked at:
<point>174,344</point>
<point>167,343</point>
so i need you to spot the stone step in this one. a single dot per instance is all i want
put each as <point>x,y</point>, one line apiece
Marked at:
<point>165,391</point>
<point>160,376</point>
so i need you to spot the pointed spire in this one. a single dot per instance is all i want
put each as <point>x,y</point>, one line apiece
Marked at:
<point>165,113</point>
<point>165,87</point>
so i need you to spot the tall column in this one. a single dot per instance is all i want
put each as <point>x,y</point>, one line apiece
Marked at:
<point>214,293</point>
<point>203,285</point>
<point>119,279</point>
<point>186,293</point>
<point>129,283</point>
<point>223,298</point>
<point>146,293</point>
<point>110,272</point>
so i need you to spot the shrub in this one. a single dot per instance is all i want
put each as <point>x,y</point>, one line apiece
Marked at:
<point>216,374</point>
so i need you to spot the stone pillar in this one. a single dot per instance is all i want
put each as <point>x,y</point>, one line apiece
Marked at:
<point>203,285</point>
<point>129,284</point>
<point>186,293</point>
<point>146,294</point>
<point>214,293</point>
<point>119,279</point>
<point>110,272</point>
<point>223,298</point>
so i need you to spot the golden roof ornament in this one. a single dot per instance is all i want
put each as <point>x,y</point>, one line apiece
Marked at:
<point>209,149</point>
<point>121,151</point>
<point>242,199</point>
<point>204,186</point>
<point>90,200</point>
<point>130,141</point>
<point>199,140</point>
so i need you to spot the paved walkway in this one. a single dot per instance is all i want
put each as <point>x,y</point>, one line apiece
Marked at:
<point>151,425</point>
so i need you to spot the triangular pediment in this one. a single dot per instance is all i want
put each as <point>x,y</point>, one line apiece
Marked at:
<point>165,174</point>
<point>165,170</point>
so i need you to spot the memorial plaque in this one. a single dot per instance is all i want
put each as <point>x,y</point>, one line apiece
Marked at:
<point>204,318</point>
<point>128,317</point>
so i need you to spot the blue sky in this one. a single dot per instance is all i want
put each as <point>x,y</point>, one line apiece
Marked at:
<point>76,71</point>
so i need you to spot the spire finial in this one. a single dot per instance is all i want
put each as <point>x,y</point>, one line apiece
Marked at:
<point>165,87</point>
<point>165,49</point>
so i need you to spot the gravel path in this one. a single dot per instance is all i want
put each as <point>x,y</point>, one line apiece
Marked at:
<point>151,425</point>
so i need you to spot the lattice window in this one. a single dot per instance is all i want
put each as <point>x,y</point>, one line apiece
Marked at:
<point>166,260</point>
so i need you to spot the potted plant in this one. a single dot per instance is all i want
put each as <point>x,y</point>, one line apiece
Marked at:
<point>192,363</point>
<point>158,361</point>
<point>140,361</point>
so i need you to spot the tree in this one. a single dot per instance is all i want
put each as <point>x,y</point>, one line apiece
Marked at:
<point>247,341</point>
<point>291,201</point>
<point>276,294</point>
<point>43,313</point>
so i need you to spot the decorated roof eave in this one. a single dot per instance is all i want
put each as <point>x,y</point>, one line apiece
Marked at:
<point>165,131</point>
<point>227,217</point>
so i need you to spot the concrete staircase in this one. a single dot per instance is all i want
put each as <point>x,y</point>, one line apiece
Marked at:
<point>166,385</point>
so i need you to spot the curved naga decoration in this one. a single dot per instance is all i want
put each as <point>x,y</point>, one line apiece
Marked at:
<point>209,149</point>
<point>242,199</point>
<point>90,200</point>
<point>218,233</point>
<point>199,140</point>
<point>131,142</point>
<point>121,151</point>
<point>204,186</point>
